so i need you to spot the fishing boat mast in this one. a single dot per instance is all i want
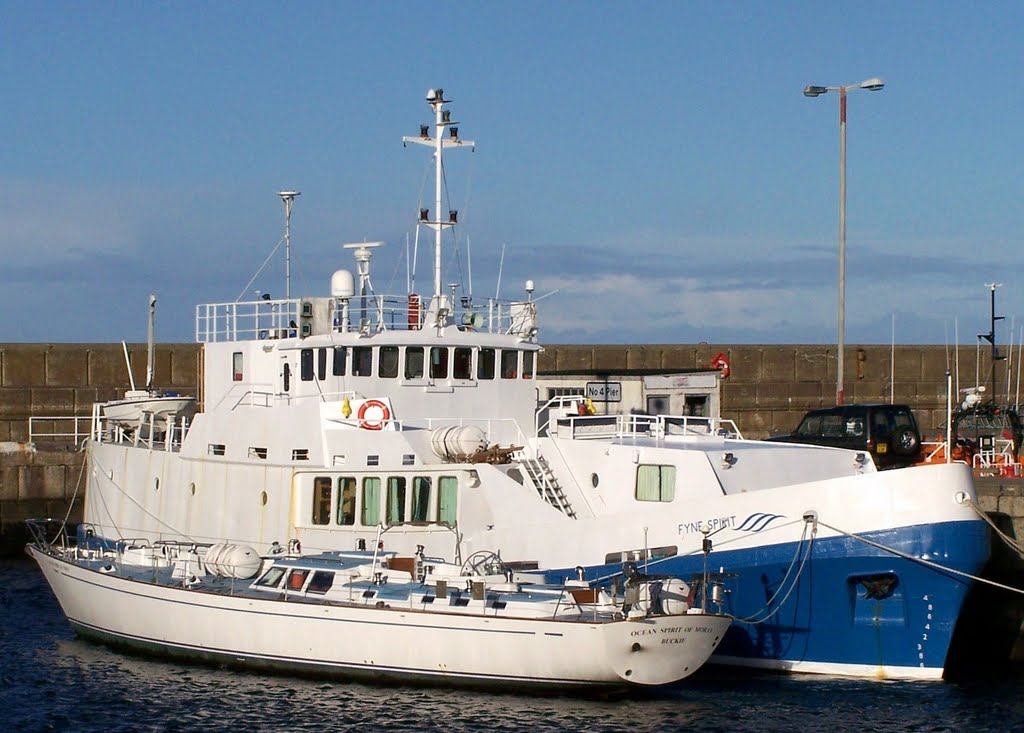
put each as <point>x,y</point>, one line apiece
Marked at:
<point>442,122</point>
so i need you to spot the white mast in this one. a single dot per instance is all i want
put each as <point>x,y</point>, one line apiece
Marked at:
<point>442,121</point>
<point>288,197</point>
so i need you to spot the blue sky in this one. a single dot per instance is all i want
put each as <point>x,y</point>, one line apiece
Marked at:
<point>654,163</point>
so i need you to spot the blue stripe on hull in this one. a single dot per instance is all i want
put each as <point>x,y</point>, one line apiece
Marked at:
<point>828,618</point>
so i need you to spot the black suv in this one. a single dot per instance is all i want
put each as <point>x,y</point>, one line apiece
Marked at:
<point>888,432</point>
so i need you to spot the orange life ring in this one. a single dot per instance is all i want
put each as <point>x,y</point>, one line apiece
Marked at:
<point>721,362</point>
<point>372,422</point>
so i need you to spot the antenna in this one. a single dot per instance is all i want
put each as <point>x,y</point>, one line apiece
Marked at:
<point>442,121</point>
<point>363,254</point>
<point>501,266</point>
<point>288,197</point>
<point>150,356</point>
<point>991,336</point>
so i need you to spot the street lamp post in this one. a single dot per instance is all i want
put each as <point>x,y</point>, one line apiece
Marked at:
<point>872,85</point>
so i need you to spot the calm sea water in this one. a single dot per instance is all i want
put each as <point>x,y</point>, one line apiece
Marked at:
<point>51,681</point>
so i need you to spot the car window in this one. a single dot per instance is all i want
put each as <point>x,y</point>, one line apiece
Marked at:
<point>811,425</point>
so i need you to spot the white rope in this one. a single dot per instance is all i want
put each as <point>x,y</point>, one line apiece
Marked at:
<point>1009,541</point>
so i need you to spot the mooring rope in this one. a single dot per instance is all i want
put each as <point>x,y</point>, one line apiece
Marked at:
<point>922,561</point>
<point>1009,541</point>
<point>756,618</point>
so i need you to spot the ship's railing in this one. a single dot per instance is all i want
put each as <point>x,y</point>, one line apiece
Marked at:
<point>65,429</point>
<point>659,427</point>
<point>291,318</point>
<point>150,431</point>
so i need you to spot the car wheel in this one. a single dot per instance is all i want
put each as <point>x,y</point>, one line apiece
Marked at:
<point>907,442</point>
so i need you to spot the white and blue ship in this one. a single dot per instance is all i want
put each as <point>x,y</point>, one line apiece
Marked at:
<point>355,419</point>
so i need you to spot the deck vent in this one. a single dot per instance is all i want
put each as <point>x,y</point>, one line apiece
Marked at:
<point>409,459</point>
<point>373,460</point>
<point>215,449</point>
<point>260,453</point>
<point>300,454</point>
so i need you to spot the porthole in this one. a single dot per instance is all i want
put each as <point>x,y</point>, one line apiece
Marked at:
<point>595,480</point>
<point>263,498</point>
<point>193,488</point>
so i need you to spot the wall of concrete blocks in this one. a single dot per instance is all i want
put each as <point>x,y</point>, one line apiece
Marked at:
<point>769,386</point>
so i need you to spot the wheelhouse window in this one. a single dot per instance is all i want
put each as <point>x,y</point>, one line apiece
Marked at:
<point>421,499</point>
<point>414,362</point>
<point>388,368</point>
<point>371,501</point>
<point>396,499</point>
<point>438,362</point>
<point>362,361</point>
<point>527,365</point>
<point>322,500</point>
<point>236,366</point>
<point>655,483</point>
<point>321,364</point>
<point>346,500</point>
<point>509,363</point>
<point>462,363</point>
<point>306,365</point>
<point>340,361</point>
<point>485,364</point>
<point>447,496</point>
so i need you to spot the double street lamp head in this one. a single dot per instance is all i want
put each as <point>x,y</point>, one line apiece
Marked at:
<point>872,85</point>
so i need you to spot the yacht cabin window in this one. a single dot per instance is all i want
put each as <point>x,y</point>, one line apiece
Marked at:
<point>346,500</point>
<point>371,501</point>
<point>655,483</point>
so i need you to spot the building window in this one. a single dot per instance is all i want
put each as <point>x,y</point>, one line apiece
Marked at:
<point>421,499</point>
<point>322,500</point>
<point>371,501</point>
<point>655,483</point>
<point>414,362</point>
<point>362,361</point>
<point>438,362</point>
<point>485,364</point>
<point>566,392</point>
<point>388,368</point>
<point>236,366</point>
<point>396,499</point>
<point>306,365</point>
<point>346,500</point>
<point>509,364</point>
<point>447,496</point>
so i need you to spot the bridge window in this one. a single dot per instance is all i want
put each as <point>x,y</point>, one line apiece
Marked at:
<point>462,364</point>
<point>485,364</point>
<point>421,499</point>
<point>655,483</point>
<point>322,500</point>
<point>414,362</point>
<point>321,364</point>
<point>527,365</point>
<point>509,363</point>
<point>306,365</point>
<point>438,362</point>
<point>371,501</point>
<point>362,361</point>
<point>388,368</point>
<point>340,360</point>
<point>396,499</point>
<point>447,496</point>
<point>346,500</point>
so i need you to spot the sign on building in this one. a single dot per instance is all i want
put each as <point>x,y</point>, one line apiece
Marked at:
<point>604,391</point>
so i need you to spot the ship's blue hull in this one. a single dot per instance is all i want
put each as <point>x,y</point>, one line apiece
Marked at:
<point>840,605</point>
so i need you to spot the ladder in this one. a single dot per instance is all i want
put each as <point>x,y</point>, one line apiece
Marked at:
<point>546,483</point>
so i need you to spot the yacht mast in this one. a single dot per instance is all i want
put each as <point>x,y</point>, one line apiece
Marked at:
<point>442,121</point>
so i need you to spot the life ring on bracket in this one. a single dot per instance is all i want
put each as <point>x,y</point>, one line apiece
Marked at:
<point>721,362</point>
<point>379,415</point>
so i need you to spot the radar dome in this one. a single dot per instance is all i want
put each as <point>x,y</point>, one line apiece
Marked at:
<point>342,284</point>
